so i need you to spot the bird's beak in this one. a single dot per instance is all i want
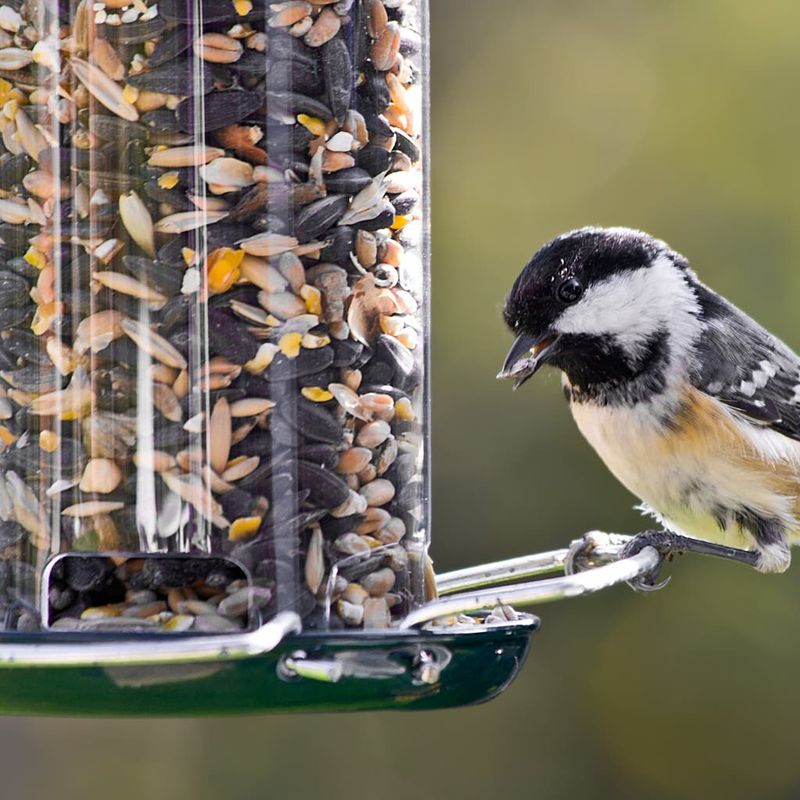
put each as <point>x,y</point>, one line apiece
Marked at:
<point>526,356</point>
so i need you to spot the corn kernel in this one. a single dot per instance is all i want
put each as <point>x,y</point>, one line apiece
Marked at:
<point>313,299</point>
<point>242,7</point>
<point>391,325</point>
<point>49,441</point>
<point>169,180</point>
<point>290,343</point>
<point>408,338</point>
<point>403,410</point>
<point>313,342</point>
<point>223,268</point>
<point>273,321</point>
<point>262,359</point>
<point>243,528</point>
<point>189,256</point>
<point>44,316</point>
<point>5,88</point>
<point>6,436</point>
<point>35,258</point>
<point>312,124</point>
<point>316,394</point>
<point>400,221</point>
<point>130,94</point>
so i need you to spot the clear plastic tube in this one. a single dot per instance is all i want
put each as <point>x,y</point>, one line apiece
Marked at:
<point>213,313</point>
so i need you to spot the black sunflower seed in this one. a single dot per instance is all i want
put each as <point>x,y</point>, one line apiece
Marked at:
<point>287,76</point>
<point>160,120</point>
<point>311,420</point>
<point>11,533</point>
<point>326,490</point>
<point>15,237</point>
<point>114,129</point>
<point>257,443</point>
<point>67,460</point>
<point>392,363</point>
<point>315,218</point>
<point>133,32</point>
<point>405,203</point>
<point>373,159</point>
<point>340,247</point>
<point>285,106</point>
<point>169,46</point>
<point>15,315</point>
<point>25,345</point>
<point>346,352</point>
<point>376,90</point>
<point>238,503</point>
<point>213,11</point>
<point>161,277</point>
<point>318,378</point>
<point>405,144</point>
<point>229,337</point>
<point>176,197</point>
<point>323,455</point>
<point>334,527</point>
<point>308,362</point>
<point>348,181</point>
<point>183,77</point>
<point>338,71</point>
<point>85,573</point>
<point>219,109</point>
<point>13,169</point>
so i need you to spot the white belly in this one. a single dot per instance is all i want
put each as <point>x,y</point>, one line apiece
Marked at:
<point>685,480</point>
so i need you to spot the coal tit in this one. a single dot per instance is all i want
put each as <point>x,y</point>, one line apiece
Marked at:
<point>690,403</point>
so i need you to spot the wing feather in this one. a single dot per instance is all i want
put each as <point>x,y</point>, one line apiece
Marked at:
<point>746,368</point>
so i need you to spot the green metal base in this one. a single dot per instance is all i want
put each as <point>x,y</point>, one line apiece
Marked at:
<point>480,664</point>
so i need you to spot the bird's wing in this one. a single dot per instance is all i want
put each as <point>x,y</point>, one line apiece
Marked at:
<point>748,369</point>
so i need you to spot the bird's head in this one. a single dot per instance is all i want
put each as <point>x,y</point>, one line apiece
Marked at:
<point>599,303</point>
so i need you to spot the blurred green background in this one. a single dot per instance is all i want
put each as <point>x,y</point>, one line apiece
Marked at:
<point>678,117</point>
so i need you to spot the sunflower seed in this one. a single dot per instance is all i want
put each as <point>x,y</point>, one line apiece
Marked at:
<point>337,69</point>
<point>220,109</point>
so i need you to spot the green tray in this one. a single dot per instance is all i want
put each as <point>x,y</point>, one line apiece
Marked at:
<point>379,671</point>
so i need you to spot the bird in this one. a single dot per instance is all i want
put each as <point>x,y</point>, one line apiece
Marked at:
<point>691,404</point>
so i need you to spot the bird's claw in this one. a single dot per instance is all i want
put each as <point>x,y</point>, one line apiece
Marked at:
<point>595,548</point>
<point>666,544</point>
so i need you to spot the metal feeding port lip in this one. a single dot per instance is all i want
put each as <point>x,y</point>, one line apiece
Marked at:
<point>465,595</point>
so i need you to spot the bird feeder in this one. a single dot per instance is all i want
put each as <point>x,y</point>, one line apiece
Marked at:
<point>214,477</point>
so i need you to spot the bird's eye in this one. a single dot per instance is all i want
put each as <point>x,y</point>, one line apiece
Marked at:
<point>570,291</point>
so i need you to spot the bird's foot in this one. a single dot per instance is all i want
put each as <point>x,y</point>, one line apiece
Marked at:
<point>667,544</point>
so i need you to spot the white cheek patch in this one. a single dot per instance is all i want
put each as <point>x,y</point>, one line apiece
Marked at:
<point>633,305</point>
